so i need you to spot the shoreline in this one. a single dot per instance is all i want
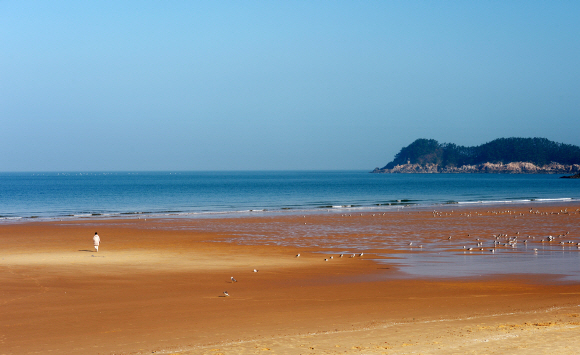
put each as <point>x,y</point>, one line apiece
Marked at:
<point>157,285</point>
<point>391,207</point>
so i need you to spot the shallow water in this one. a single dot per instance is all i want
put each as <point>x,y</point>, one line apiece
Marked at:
<point>563,264</point>
<point>417,242</point>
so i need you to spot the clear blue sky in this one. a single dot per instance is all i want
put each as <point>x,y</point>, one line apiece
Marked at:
<point>277,85</point>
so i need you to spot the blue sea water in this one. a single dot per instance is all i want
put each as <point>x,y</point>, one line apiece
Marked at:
<point>111,194</point>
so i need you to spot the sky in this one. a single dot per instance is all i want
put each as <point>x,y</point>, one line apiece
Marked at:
<point>277,85</point>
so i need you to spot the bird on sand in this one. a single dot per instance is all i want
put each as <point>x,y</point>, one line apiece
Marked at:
<point>226,293</point>
<point>255,270</point>
<point>297,255</point>
<point>233,280</point>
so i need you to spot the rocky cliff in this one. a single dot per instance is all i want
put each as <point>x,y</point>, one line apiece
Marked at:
<point>510,168</point>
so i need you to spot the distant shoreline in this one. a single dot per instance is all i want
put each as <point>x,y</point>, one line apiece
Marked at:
<point>485,168</point>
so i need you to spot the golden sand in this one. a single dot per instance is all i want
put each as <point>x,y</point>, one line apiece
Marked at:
<point>157,286</point>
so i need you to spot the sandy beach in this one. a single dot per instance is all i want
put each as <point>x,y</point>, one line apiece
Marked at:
<point>157,285</point>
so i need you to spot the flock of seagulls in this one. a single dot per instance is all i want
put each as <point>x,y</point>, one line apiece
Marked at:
<point>501,240</point>
<point>233,280</point>
<point>226,294</point>
<point>342,255</point>
<point>505,241</point>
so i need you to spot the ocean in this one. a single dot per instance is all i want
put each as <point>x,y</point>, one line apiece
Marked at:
<point>193,194</point>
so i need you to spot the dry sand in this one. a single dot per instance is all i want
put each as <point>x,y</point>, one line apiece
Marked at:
<point>156,286</point>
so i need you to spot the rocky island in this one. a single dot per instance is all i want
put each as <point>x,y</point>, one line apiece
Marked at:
<point>577,176</point>
<point>503,155</point>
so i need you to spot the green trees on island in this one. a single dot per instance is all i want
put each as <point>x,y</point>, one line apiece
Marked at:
<point>539,151</point>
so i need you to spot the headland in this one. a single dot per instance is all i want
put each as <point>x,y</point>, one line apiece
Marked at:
<point>503,155</point>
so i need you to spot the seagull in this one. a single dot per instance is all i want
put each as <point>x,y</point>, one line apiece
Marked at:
<point>255,270</point>
<point>341,254</point>
<point>226,293</point>
<point>332,257</point>
<point>297,255</point>
<point>233,280</point>
<point>361,254</point>
<point>325,259</point>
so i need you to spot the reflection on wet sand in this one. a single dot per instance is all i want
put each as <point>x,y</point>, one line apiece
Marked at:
<point>447,242</point>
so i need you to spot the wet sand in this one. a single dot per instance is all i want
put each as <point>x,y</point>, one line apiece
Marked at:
<point>157,285</point>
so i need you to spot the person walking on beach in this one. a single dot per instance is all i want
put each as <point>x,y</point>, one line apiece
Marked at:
<point>96,241</point>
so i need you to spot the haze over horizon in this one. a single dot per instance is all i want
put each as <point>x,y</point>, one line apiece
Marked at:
<point>256,85</point>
